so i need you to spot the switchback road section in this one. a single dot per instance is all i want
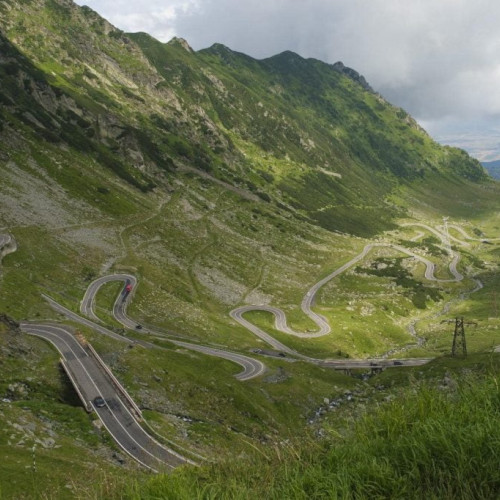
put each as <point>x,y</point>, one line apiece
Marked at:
<point>251,367</point>
<point>116,411</point>
<point>323,325</point>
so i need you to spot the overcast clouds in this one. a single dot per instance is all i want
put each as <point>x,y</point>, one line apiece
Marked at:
<point>438,59</point>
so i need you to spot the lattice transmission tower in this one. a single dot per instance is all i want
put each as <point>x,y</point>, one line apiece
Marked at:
<point>459,344</point>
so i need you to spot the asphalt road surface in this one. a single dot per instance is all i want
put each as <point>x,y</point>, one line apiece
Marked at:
<point>92,381</point>
<point>251,367</point>
<point>309,297</point>
<point>322,323</point>
<point>124,297</point>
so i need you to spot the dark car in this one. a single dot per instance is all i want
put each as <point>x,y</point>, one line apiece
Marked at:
<point>99,402</point>
<point>398,363</point>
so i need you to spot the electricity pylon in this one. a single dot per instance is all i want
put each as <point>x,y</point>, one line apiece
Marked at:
<point>459,343</point>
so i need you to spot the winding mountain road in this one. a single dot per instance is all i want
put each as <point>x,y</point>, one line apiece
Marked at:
<point>91,382</point>
<point>467,236</point>
<point>440,234</point>
<point>92,379</point>
<point>251,367</point>
<point>308,300</point>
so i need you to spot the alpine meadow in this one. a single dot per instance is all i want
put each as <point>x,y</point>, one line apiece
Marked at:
<point>231,278</point>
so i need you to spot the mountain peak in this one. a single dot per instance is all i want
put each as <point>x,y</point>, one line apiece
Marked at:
<point>220,49</point>
<point>288,54</point>
<point>181,42</point>
<point>287,57</point>
<point>352,74</point>
<point>227,55</point>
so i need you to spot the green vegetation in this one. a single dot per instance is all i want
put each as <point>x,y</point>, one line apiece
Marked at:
<point>419,445</point>
<point>48,442</point>
<point>415,289</point>
<point>219,181</point>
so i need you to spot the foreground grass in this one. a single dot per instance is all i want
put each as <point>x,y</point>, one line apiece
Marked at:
<point>433,442</point>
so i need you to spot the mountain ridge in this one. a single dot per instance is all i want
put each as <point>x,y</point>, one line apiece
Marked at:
<point>268,102</point>
<point>225,186</point>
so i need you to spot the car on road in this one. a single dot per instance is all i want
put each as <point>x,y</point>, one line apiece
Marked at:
<point>99,402</point>
<point>398,363</point>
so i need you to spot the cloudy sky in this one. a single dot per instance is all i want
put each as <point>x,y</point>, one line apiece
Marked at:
<point>438,59</point>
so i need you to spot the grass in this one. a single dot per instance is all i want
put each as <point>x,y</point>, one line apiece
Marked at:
<point>307,143</point>
<point>106,299</point>
<point>195,402</point>
<point>166,298</point>
<point>167,248</point>
<point>417,446</point>
<point>48,443</point>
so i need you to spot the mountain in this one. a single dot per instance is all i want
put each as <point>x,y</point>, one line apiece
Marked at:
<point>218,181</point>
<point>281,127</point>
<point>493,167</point>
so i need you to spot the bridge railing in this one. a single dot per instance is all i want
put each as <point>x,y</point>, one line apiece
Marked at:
<point>85,401</point>
<point>115,382</point>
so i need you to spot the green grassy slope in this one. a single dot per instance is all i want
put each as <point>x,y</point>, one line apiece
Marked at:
<point>439,442</point>
<point>218,180</point>
<point>299,132</point>
<point>49,445</point>
<point>328,146</point>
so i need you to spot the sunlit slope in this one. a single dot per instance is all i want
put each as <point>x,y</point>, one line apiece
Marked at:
<point>310,136</point>
<point>221,181</point>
